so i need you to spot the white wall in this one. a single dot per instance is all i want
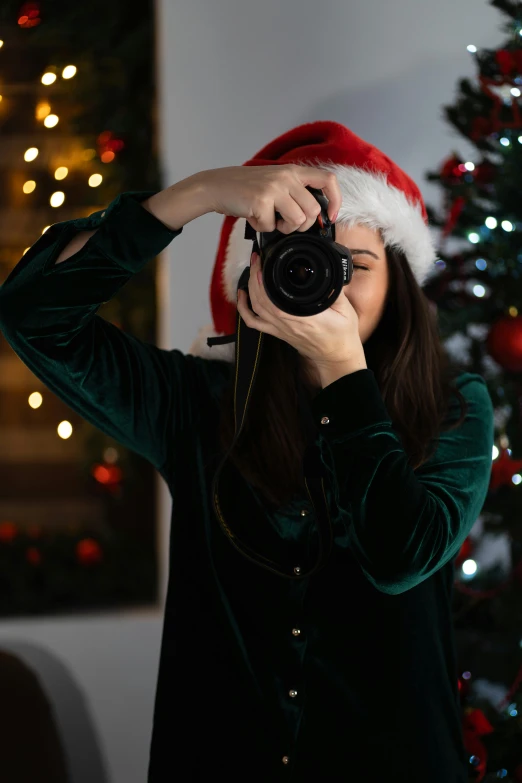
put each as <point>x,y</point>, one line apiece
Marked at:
<point>233,75</point>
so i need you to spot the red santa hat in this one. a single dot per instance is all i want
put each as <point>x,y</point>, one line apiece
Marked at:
<point>375,192</point>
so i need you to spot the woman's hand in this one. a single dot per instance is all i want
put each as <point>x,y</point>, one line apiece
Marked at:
<point>329,339</point>
<point>258,192</point>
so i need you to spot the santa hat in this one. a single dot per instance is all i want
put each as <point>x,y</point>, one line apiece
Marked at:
<point>375,192</point>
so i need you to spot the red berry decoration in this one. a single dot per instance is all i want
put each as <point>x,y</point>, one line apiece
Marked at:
<point>88,551</point>
<point>8,531</point>
<point>504,342</point>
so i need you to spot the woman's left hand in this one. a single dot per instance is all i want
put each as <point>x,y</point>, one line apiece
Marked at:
<point>326,339</point>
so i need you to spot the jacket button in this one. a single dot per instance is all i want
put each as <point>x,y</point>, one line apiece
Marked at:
<point>285,759</point>
<point>296,631</point>
<point>325,420</point>
<point>292,694</point>
<point>297,570</point>
<point>304,512</point>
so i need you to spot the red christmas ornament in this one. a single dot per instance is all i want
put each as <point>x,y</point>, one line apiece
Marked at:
<point>504,342</point>
<point>451,173</point>
<point>88,551</point>
<point>452,170</point>
<point>33,556</point>
<point>8,531</point>
<point>503,469</point>
<point>29,15</point>
<point>107,474</point>
<point>108,145</point>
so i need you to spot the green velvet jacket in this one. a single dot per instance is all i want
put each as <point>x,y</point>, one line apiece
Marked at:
<point>347,675</point>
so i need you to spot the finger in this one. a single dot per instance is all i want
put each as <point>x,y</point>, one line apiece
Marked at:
<point>262,305</point>
<point>325,180</point>
<point>253,287</point>
<point>309,205</point>
<point>292,215</point>
<point>255,308</point>
<point>251,319</point>
<point>256,289</point>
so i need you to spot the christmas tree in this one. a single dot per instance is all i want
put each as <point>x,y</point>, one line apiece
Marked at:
<point>478,293</point>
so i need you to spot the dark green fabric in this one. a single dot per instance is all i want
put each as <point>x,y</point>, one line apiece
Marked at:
<point>374,664</point>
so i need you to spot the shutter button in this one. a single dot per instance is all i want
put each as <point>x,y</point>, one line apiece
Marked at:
<point>325,420</point>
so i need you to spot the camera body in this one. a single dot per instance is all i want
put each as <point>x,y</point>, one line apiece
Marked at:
<point>303,272</point>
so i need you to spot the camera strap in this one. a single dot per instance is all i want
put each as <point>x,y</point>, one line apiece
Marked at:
<point>249,348</point>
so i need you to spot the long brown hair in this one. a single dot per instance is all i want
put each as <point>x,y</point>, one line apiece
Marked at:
<point>414,373</point>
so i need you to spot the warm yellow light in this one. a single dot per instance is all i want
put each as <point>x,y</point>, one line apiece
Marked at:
<point>42,110</point>
<point>26,249</point>
<point>51,120</point>
<point>64,429</point>
<point>29,186</point>
<point>45,229</point>
<point>1,98</point>
<point>1,44</point>
<point>89,154</point>
<point>31,153</point>
<point>69,71</point>
<point>48,78</point>
<point>61,172</point>
<point>513,311</point>
<point>57,199</point>
<point>95,180</point>
<point>35,400</point>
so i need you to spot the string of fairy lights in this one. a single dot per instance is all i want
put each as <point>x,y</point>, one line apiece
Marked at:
<point>108,146</point>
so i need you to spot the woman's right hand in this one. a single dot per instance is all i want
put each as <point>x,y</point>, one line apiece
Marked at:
<point>258,192</point>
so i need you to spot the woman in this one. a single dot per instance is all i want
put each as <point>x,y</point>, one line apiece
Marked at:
<point>349,674</point>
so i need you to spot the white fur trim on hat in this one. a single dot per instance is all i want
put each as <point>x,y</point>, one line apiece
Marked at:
<point>199,347</point>
<point>368,199</point>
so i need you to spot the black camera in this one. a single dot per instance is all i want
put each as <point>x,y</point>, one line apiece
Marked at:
<point>303,272</point>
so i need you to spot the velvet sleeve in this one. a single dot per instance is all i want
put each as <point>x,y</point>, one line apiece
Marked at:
<point>404,524</point>
<point>129,389</point>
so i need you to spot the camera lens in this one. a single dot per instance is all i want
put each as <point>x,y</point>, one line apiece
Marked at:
<point>304,274</point>
<point>300,272</point>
